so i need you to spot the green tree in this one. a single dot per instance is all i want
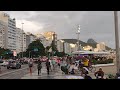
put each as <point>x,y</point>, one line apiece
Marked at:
<point>35,49</point>
<point>54,47</point>
<point>6,53</point>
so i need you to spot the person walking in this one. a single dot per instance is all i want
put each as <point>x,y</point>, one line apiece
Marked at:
<point>48,66</point>
<point>39,67</point>
<point>51,67</point>
<point>30,66</point>
<point>0,69</point>
<point>53,63</point>
<point>58,62</point>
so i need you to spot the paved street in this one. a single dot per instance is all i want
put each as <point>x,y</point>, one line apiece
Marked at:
<point>15,73</point>
<point>23,73</point>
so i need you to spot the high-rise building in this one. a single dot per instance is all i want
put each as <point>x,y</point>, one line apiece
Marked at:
<point>20,40</point>
<point>3,28</point>
<point>10,33</point>
<point>43,39</point>
<point>51,36</point>
<point>29,39</point>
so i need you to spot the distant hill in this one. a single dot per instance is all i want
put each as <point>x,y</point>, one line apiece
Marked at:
<point>90,42</point>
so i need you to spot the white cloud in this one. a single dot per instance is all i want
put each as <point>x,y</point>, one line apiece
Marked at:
<point>29,26</point>
<point>98,25</point>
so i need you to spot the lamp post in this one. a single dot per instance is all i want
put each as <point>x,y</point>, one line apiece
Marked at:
<point>78,32</point>
<point>22,39</point>
<point>117,41</point>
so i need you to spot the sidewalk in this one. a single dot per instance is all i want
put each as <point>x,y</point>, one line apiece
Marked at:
<point>57,74</point>
<point>109,69</point>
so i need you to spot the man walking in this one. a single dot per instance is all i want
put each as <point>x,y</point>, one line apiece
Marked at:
<point>47,66</point>
<point>39,67</point>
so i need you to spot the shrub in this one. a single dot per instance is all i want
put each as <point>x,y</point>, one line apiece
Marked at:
<point>105,62</point>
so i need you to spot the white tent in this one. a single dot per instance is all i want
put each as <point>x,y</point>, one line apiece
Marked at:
<point>90,52</point>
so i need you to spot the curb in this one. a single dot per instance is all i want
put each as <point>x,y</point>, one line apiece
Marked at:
<point>99,65</point>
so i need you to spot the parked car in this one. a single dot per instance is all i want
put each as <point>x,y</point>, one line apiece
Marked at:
<point>1,61</point>
<point>13,64</point>
<point>5,63</point>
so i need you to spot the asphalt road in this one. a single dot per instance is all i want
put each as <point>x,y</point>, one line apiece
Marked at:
<point>15,73</point>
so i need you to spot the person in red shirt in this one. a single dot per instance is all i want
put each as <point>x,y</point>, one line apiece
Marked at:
<point>58,61</point>
<point>99,74</point>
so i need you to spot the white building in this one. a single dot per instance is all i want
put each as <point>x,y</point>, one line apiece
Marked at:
<point>60,46</point>
<point>87,48</point>
<point>101,46</point>
<point>20,40</point>
<point>66,47</point>
<point>50,36</point>
<point>29,39</point>
<point>3,28</point>
<point>10,33</point>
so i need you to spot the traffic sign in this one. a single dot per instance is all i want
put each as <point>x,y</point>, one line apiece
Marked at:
<point>35,49</point>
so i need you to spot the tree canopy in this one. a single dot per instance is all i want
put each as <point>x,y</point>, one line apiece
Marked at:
<point>35,49</point>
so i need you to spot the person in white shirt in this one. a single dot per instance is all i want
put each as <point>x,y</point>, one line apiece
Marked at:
<point>51,66</point>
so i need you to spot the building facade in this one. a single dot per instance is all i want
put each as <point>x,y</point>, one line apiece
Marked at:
<point>20,40</point>
<point>43,40</point>
<point>68,48</point>
<point>10,33</point>
<point>50,36</point>
<point>101,46</point>
<point>3,28</point>
<point>29,39</point>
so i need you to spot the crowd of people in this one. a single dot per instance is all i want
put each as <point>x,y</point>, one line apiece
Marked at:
<point>68,65</point>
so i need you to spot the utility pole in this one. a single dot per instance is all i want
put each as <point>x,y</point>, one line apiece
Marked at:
<point>117,41</point>
<point>22,39</point>
<point>78,32</point>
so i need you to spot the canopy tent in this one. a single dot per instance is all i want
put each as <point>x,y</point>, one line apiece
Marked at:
<point>90,52</point>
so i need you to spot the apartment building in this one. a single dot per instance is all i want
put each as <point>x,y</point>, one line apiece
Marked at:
<point>29,39</point>
<point>3,28</point>
<point>10,33</point>
<point>20,40</point>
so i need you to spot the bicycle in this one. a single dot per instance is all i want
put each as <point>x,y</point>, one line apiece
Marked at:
<point>92,68</point>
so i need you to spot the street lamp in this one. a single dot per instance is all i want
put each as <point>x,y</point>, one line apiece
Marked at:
<point>117,41</point>
<point>22,39</point>
<point>78,32</point>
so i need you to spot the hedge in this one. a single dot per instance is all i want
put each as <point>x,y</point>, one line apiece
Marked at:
<point>103,62</point>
